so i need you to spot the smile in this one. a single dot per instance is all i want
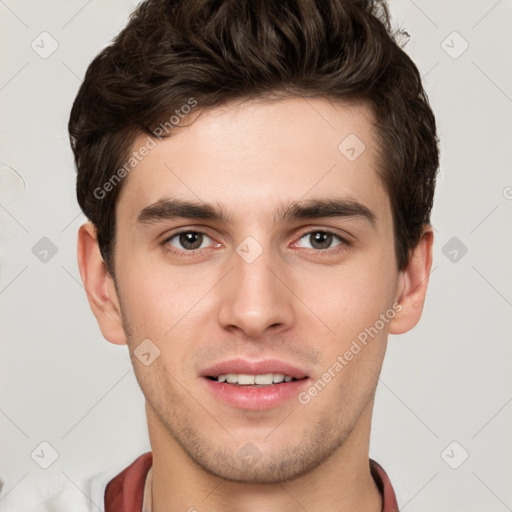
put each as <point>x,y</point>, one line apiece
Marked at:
<point>244,379</point>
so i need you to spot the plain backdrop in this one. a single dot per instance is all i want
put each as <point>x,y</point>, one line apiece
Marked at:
<point>443,413</point>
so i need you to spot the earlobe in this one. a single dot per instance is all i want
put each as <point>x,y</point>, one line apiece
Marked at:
<point>413,285</point>
<point>99,285</point>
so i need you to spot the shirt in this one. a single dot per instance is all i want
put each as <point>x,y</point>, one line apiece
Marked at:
<point>54,490</point>
<point>130,490</point>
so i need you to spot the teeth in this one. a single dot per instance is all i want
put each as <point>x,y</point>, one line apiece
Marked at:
<point>268,378</point>
<point>243,379</point>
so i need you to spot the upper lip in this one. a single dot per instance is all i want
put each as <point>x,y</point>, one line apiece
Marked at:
<point>248,367</point>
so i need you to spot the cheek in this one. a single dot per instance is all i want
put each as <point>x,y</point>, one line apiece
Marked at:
<point>353,356</point>
<point>349,299</point>
<point>157,299</point>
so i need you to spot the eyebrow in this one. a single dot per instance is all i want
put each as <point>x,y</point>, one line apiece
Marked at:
<point>169,209</point>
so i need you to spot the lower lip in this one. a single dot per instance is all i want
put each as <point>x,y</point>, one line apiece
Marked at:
<point>255,398</point>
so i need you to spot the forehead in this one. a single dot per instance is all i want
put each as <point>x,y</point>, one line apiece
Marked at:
<point>255,156</point>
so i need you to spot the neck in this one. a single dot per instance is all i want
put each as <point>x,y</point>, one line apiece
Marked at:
<point>341,483</point>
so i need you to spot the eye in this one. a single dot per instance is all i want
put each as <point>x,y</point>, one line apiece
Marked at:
<point>186,243</point>
<point>187,240</point>
<point>322,240</point>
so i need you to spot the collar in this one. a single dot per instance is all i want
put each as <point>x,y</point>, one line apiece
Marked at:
<point>147,502</point>
<point>131,489</point>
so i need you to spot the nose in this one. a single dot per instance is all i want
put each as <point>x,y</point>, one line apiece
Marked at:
<point>255,296</point>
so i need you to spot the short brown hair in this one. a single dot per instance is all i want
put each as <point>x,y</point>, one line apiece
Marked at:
<point>219,50</point>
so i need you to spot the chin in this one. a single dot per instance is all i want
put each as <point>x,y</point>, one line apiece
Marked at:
<point>262,462</point>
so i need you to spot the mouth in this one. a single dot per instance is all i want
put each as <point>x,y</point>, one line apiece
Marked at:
<point>261,380</point>
<point>254,385</point>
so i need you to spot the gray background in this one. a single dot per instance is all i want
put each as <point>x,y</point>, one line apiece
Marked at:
<point>448,380</point>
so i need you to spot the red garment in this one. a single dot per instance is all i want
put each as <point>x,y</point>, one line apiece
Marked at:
<point>124,493</point>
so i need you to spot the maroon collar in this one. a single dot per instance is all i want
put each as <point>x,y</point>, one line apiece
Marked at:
<point>389,503</point>
<point>125,492</point>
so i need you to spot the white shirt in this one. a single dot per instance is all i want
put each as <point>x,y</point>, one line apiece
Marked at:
<point>147,498</point>
<point>39,492</point>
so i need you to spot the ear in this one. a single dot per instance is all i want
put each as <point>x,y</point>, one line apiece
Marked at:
<point>413,282</point>
<point>99,285</point>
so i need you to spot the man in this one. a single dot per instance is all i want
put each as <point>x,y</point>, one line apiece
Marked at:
<point>259,178</point>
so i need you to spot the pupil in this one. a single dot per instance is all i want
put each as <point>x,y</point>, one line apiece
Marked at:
<point>190,240</point>
<point>324,240</point>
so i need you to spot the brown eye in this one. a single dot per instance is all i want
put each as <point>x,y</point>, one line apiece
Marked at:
<point>322,240</point>
<point>187,240</point>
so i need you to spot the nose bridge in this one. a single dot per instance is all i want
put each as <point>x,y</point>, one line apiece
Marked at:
<point>254,297</point>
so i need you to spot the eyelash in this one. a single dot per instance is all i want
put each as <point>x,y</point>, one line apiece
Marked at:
<point>344,243</point>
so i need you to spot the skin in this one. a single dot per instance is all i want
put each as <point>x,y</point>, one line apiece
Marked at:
<point>296,302</point>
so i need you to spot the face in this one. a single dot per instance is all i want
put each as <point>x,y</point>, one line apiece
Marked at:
<point>284,267</point>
